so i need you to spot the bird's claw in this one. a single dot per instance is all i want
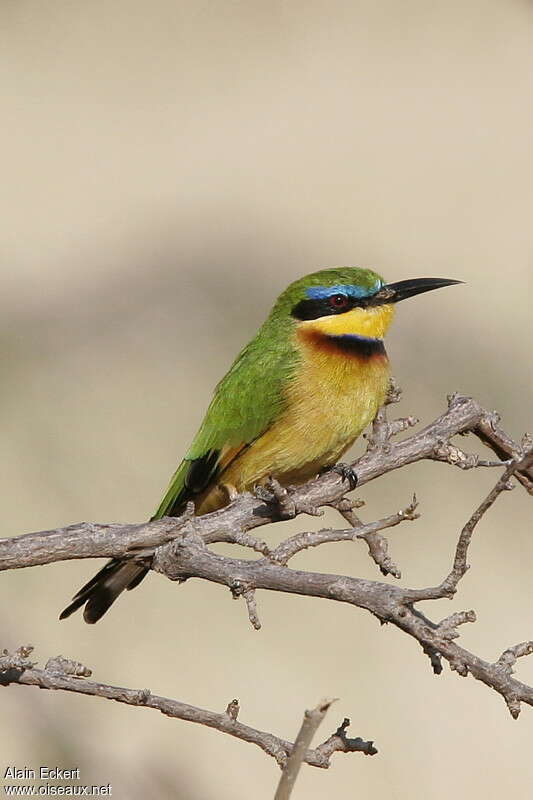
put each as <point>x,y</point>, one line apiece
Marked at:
<point>283,499</point>
<point>346,472</point>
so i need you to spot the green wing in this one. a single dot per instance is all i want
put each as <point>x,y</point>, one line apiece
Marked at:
<point>246,402</point>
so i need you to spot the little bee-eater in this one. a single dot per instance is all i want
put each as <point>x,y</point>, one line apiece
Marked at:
<point>295,399</point>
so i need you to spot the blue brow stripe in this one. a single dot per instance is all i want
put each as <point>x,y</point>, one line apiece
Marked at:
<point>357,292</point>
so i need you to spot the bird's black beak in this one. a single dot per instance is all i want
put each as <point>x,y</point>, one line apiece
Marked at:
<point>394,292</point>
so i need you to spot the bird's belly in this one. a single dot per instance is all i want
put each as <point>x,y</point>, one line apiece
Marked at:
<point>330,402</point>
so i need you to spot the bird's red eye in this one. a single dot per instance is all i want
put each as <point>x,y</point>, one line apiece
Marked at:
<point>338,301</point>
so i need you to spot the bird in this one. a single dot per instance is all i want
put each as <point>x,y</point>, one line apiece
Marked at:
<point>295,399</point>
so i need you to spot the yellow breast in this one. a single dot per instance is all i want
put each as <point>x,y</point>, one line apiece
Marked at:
<point>331,399</point>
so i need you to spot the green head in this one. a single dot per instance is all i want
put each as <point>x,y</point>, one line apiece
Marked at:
<point>348,300</point>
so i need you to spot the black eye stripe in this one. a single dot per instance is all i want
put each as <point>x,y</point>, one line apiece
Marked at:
<point>313,309</point>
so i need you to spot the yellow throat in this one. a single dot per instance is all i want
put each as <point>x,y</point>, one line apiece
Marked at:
<point>370,322</point>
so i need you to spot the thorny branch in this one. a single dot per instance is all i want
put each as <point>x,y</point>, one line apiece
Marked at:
<point>179,549</point>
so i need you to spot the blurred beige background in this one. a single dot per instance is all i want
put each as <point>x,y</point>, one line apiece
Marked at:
<point>167,169</point>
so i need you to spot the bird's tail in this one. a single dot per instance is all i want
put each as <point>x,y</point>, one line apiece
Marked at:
<point>104,588</point>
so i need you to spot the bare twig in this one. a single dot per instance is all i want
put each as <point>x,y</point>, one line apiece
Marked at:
<point>301,541</point>
<point>378,547</point>
<point>489,433</point>
<point>340,742</point>
<point>460,566</point>
<point>17,668</point>
<point>311,721</point>
<point>239,589</point>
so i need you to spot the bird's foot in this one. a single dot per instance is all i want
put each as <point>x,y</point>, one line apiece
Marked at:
<point>287,506</point>
<point>346,472</point>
